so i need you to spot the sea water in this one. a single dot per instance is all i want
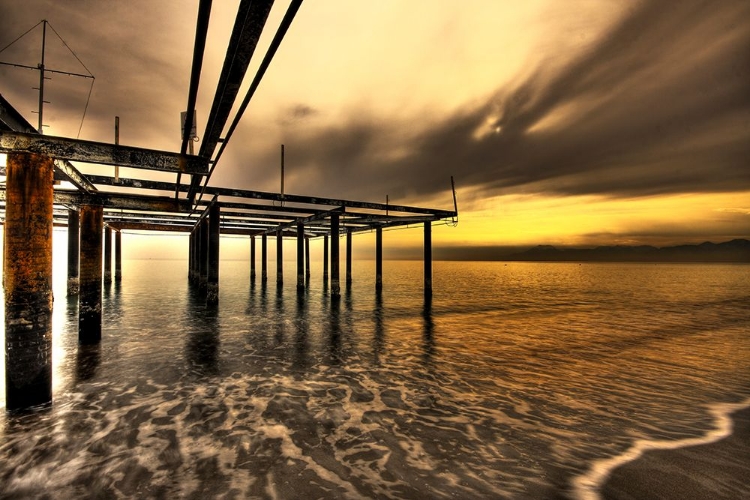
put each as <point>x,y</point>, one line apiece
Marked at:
<point>516,380</point>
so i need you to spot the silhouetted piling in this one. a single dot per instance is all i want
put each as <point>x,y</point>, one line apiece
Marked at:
<point>202,255</point>
<point>378,259</point>
<point>279,258</point>
<point>348,258</point>
<point>264,258</point>
<point>428,259</point>
<point>212,286</point>
<point>28,280</point>
<point>300,256</point>
<point>118,256</point>
<point>73,250</point>
<point>90,301</point>
<point>252,258</point>
<point>307,258</point>
<point>325,259</point>
<point>335,287</point>
<point>107,255</point>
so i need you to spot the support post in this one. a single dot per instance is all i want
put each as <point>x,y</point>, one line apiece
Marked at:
<point>90,301</point>
<point>191,248</point>
<point>325,259</point>
<point>300,256</point>
<point>202,255</point>
<point>107,255</point>
<point>307,258</point>
<point>73,249</point>
<point>28,280</point>
<point>263,258</point>
<point>335,287</point>
<point>212,287</point>
<point>118,256</point>
<point>279,258</point>
<point>378,259</point>
<point>348,258</point>
<point>428,259</point>
<point>252,259</point>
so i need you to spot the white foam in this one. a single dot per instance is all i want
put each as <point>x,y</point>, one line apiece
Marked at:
<point>586,486</point>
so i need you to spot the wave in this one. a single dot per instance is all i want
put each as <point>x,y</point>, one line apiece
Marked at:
<point>588,485</point>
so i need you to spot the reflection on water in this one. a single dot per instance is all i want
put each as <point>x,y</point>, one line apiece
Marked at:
<point>510,382</point>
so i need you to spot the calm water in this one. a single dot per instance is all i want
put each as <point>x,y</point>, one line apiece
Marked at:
<point>514,382</point>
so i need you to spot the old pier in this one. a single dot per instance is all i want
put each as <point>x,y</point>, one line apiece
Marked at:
<point>44,188</point>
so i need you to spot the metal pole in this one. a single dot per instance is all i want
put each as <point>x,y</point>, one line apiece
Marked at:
<point>90,301</point>
<point>428,259</point>
<point>300,256</point>
<point>107,255</point>
<point>28,280</point>
<point>307,258</point>
<point>41,78</point>
<point>264,258</point>
<point>348,258</point>
<point>379,259</point>
<point>118,256</point>
<point>279,258</point>
<point>203,255</point>
<point>212,288</point>
<point>252,258</point>
<point>325,259</point>
<point>335,287</point>
<point>73,249</point>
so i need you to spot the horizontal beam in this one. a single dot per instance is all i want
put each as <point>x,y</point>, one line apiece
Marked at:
<point>71,174</point>
<point>307,220</point>
<point>63,148</point>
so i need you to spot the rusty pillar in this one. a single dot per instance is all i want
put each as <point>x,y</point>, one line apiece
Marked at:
<point>378,259</point>
<point>428,259</point>
<point>212,287</point>
<point>307,259</point>
<point>264,258</point>
<point>203,255</point>
<point>348,258</point>
<point>90,301</point>
<point>279,258</point>
<point>325,259</point>
<point>107,255</point>
<point>118,256</point>
<point>252,258</point>
<point>335,287</point>
<point>300,256</point>
<point>28,280</point>
<point>73,249</point>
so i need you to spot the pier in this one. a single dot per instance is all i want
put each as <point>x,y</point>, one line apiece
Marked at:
<point>45,189</point>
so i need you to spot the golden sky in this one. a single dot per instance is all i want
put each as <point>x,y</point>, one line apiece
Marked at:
<point>569,123</point>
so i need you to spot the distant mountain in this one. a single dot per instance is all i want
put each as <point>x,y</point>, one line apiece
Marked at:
<point>731,251</point>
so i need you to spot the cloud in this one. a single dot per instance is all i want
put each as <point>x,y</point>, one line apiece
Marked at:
<point>659,105</point>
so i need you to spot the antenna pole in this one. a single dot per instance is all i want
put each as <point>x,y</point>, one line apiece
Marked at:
<point>41,77</point>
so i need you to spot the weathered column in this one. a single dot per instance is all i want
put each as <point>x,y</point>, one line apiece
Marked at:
<point>307,258</point>
<point>264,258</point>
<point>73,249</point>
<point>335,287</point>
<point>118,256</point>
<point>212,288</point>
<point>300,256</point>
<point>428,258</point>
<point>90,301</point>
<point>378,259</point>
<point>107,255</point>
<point>325,259</point>
<point>348,258</point>
<point>252,258</point>
<point>279,258</point>
<point>203,254</point>
<point>28,280</point>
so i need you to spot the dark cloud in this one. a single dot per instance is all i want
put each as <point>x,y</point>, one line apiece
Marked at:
<point>659,105</point>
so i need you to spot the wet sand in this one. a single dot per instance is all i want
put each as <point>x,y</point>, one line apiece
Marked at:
<point>719,470</point>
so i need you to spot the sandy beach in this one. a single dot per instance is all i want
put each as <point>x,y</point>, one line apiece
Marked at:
<point>719,470</point>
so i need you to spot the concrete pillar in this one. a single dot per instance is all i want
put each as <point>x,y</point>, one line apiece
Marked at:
<point>348,258</point>
<point>252,258</point>
<point>203,254</point>
<point>428,259</point>
<point>335,287</point>
<point>279,258</point>
<point>325,259</point>
<point>118,256</point>
<point>212,288</point>
<point>28,280</point>
<point>379,259</point>
<point>107,255</point>
<point>264,258</point>
<point>90,301</point>
<point>300,256</point>
<point>73,250</point>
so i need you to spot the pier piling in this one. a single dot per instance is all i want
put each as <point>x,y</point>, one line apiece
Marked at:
<point>307,259</point>
<point>202,255</point>
<point>300,256</point>
<point>325,259</point>
<point>107,255</point>
<point>348,258</point>
<point>428,259</point>
<point>28,280</point>
<point>73,249</point>
<point>90,295</point>
<point>212,287</point>
<point>263,258</point>
<point>279,258</point>
<point>335,287</point>
<point>118,256</point>
<point>252,259</point>
<point>378,259</point>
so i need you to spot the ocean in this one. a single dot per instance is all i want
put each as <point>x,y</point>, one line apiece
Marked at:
<point>516,380</point>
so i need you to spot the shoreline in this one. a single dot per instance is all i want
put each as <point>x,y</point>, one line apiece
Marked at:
<point>707,467</point>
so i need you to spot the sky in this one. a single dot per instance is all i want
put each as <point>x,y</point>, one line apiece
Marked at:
<point>582,123</point>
